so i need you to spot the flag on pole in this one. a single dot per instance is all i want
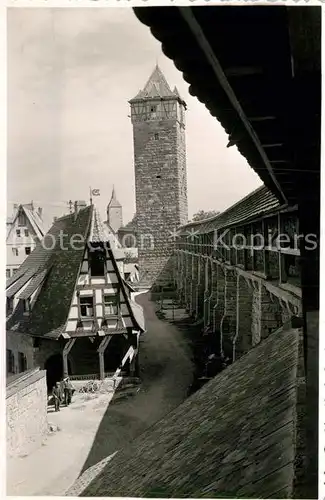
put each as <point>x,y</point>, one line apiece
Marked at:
<point>95,192</point>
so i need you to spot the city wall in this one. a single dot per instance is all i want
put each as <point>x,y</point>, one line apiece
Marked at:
<point>26,412</point>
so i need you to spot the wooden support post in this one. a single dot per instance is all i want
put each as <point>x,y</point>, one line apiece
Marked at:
<point>101,350</point>
<point>67,348</point>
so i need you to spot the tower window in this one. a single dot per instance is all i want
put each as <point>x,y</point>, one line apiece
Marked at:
<point>27,250</point>
<point>153,109</point>
<point>26,232</point>
<point>18,233</point>
<point>156,137</point>
<point>15,251</point>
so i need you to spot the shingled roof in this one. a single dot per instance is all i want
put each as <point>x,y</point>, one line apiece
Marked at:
<point>54,266</point>
<point>258,203</point>
<point>50,311</point>
<point>237,437</point>
<point>156,86</point>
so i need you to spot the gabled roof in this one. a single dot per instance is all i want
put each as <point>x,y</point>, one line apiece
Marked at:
<point>236,437</point>
<point>33,218</point>
<point>62,260</point>
<point>54,266</point>
<point>156,86</point>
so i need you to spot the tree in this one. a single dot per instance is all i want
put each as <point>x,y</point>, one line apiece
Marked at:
<point>201,215</point>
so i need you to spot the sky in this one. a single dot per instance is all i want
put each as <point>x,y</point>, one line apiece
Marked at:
<point>71,73</point>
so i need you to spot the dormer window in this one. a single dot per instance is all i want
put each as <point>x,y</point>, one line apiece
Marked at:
<point>110,305</point>
<point>97,260</point>
<point>86,305</point>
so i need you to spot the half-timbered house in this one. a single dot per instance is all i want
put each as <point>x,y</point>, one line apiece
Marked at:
<point>69,309</point>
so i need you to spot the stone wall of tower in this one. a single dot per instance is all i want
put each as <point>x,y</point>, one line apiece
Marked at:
<point>161,193</point>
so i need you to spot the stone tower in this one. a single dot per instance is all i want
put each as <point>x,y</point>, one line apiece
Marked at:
<point>114,213</point>
<point>158,119</point>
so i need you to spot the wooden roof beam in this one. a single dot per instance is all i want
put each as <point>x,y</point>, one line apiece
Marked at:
<point>261,118</point>
<point>243,71</point>
<point>195,28</point>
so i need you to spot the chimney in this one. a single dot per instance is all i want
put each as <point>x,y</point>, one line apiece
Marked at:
<point>40,211</point>
<point>79,205</point>
<point>16,206</point>
<point>55,219</point>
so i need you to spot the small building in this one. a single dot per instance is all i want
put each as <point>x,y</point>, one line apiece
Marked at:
<point>69,300</point>
<point>24,229</point>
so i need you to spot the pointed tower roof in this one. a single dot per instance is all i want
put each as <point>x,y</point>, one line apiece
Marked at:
<point>114,201</point>
<point>156,86</point>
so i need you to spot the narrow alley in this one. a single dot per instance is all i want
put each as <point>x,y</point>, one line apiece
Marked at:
<point>166,371</point>
<point>91,430</point>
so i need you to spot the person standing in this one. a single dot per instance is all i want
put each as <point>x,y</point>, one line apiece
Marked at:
<point>68,389</point>
<point>57,396</point>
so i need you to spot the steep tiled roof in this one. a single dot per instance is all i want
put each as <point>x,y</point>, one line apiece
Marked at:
<point>49,313</point>
<point>156,86</point>
<point>54,265</point>
<point>257,203</point>
<point>234,438</point>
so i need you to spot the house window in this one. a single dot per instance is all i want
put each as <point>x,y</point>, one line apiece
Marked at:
<point>27,250</point>
<point>110,305</point>
<point>22,362</point>
<point>26,233</point>
<point>156,137</point>
<point>21,219</point>
<point>10,305</point>
<point>10,361</point>
<point>86,307</point>
<point>7,273</point>
<point>14,270</point>
<point>27,308</point>
<point>18,233</point>
<point>15,252</point>
<point>153,109</point>
<point>97,262</point>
